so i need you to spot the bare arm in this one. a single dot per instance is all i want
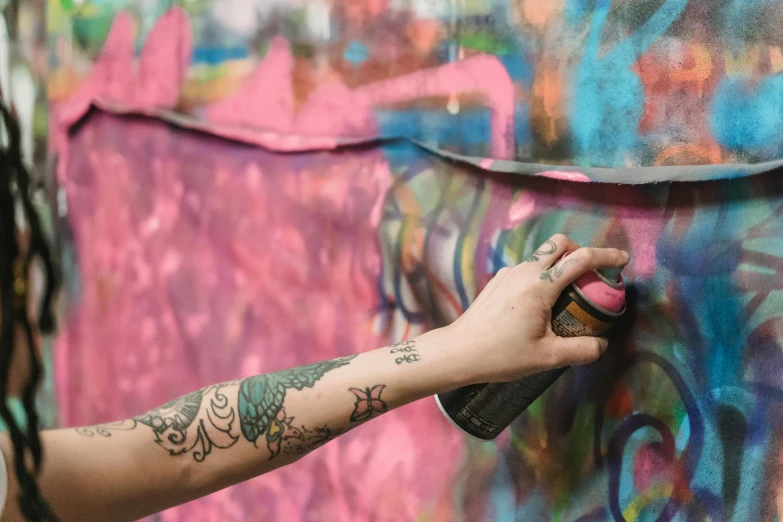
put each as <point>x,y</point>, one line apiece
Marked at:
<point>227,433</point>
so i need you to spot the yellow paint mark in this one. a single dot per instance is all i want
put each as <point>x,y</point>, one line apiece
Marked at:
<point>776,59</point>
<point>638,504</point>
<point>538,13</point>
<point>63,83</point>
<point>743,62</point>
<point>701,70</point>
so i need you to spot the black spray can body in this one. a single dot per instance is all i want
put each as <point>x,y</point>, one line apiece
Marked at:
<point>485,410</point>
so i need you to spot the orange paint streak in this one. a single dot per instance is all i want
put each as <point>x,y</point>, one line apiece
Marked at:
<point>423,34</point>
<point>776,59</point>
<point>696,154</point>
<point>547,107</point>
<point>538,13</point>
<point>701,70</point>
<point>360,12</point>
<point>620,403</point>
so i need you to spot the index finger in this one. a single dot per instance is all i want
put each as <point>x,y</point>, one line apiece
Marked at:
<point>547,254</point>
<point>572,266</point>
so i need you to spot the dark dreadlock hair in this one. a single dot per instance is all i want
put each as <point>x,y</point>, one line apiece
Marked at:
<point>15,264</point>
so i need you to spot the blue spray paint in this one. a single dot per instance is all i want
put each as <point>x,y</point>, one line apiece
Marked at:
<point>608,98</point>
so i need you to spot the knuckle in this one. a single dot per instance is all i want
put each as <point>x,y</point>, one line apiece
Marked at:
<point>544,304</point>
<point>594,349</point>
<point>586,256</point>
<point>551,356</point>
<point>556,358</point>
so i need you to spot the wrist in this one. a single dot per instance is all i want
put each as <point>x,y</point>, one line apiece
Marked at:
<point>449,362</point>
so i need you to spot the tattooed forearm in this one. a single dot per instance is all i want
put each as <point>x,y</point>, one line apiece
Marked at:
<point>556,271</point>
<point>406,352</point>
<point>546,249</point>
<point>205,419</point>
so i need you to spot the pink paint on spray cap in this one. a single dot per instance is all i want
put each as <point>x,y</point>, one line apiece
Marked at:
<point>603,288</point>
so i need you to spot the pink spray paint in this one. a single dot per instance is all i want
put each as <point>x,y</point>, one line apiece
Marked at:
<point>603,289</point>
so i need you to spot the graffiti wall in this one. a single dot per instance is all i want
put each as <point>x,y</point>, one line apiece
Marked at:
<point>257,185</point>
<point>600,83</point>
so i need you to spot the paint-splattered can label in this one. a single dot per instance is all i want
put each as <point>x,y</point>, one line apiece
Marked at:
<point>484,410</point>
<point>575,321</point>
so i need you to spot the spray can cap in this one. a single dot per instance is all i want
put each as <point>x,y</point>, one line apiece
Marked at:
<point>610,273</point>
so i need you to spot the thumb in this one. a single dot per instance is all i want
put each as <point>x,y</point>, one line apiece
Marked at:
<point>569,351</point>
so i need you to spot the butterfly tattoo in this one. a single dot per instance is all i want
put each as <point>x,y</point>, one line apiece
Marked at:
<point>368,403</point>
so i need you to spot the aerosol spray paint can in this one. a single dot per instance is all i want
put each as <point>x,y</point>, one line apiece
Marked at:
<point>589,306</point>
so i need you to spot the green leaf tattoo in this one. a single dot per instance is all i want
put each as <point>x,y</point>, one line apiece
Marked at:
<point>205,419</point>
<point>261,397</point>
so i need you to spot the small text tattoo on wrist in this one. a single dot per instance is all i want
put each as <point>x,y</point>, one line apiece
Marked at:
<point>406,352</point>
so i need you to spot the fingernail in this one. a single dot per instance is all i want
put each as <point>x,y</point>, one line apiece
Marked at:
<point>604,343</point>
<point>626,255</point>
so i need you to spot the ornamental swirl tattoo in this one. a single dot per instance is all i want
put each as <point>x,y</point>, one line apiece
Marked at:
<point>556,271</point>
<point>543,251</point>
<point>200,421</point>
<point>194,423</point>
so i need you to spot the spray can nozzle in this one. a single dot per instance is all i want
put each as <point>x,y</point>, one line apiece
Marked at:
<point>610,273</point>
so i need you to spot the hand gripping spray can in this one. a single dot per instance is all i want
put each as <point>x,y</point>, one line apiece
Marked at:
<point>589,306</point>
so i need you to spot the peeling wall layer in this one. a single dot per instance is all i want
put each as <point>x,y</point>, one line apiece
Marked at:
<point>585,86</point>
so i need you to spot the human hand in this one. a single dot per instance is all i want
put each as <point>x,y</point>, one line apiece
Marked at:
<point>506,334</point>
